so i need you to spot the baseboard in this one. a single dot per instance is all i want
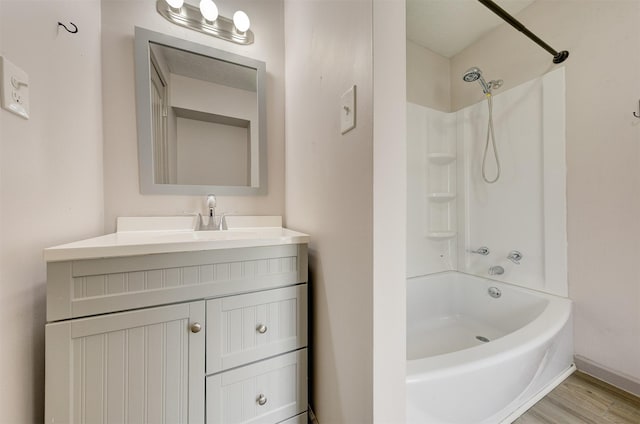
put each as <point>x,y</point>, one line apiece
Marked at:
<point>615,378</point>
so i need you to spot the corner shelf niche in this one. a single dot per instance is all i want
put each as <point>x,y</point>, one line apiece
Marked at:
<point>441,204</point>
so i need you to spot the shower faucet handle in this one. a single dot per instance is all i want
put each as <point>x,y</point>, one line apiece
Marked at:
<point>515,257</point>
<point>483,250</point>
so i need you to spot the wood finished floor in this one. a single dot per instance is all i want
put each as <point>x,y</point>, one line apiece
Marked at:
<point>582,399</point>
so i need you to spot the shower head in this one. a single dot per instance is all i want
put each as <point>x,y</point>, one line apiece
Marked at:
<point>472,74</point>
<point>475,74</point>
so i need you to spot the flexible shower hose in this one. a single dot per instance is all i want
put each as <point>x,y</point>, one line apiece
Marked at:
<point>490,134</point>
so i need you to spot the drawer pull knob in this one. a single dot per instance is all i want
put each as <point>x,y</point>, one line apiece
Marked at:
<point>262,399</point>
<point>196,327</point>
<point>261,328</point>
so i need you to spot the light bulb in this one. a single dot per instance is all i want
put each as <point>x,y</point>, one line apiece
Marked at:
<point>241,21</point>
<point>209,10</point>
<point>176,4</point>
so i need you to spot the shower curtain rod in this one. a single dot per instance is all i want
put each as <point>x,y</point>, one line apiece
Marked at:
<point>558,57</point>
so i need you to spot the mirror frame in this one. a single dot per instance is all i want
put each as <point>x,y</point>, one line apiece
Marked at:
<point>143,114</point>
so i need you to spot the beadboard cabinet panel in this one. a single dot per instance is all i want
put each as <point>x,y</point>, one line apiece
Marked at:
<point>143,366</point>
<point>95,286</point>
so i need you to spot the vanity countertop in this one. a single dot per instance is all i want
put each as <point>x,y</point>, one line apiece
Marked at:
<point>135,241</point>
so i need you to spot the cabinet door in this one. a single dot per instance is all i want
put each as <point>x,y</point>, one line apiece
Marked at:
<point>249,327</point>
<point>144,366</point>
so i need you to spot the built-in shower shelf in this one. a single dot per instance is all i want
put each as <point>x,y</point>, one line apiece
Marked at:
<point>441,235</point>
<point>441,197</point>
<point>441,158</point>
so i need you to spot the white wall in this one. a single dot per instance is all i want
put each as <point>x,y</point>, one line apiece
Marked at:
<point>329,194</point>
<point>428,78</point>
<point>347,191</point>
<point>602,157</point>
<point>122,192</point>
<point>50,178</point>
<point>389,212</point>
<point>212,153</point>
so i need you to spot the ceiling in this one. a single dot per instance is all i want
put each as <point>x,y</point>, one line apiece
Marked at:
<point>448,26</point>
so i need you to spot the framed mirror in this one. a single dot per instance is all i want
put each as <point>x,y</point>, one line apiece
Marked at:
<point>201,118</point>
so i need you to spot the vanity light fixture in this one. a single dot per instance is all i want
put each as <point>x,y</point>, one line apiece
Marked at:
<point>206,19</point>
<point>241,21</point>
<point>209,10</point>
<point>176,4</point>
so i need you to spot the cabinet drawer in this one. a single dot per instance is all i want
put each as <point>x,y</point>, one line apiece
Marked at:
<point>246,328</point>
<point>269,391</point>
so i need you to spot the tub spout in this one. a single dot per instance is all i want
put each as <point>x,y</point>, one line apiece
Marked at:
<point>496,270</point>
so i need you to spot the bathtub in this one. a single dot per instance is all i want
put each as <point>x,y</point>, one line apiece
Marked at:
<point>476,358</point>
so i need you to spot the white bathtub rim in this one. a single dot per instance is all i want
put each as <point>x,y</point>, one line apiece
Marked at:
<point>538,332</point>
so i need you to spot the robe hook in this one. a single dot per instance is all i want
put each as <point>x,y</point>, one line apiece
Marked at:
<point>75,28</point>
<point>636,114</point>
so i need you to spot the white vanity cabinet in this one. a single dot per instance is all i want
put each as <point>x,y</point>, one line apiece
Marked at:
<point>215,335</point>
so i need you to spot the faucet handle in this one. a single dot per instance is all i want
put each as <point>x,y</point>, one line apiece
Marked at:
<point>515,257</point>
<point>484,251</point>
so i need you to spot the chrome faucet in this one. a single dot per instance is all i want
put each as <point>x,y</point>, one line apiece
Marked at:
<point>496,270</point>
<point>211,224</point>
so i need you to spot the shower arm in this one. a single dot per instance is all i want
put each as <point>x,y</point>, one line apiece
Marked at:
<point>558,57</point>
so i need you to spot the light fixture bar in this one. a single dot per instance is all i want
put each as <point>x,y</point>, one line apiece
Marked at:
<point>190,17</point>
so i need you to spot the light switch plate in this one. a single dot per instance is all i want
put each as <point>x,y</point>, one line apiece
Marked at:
<point>348,110</point>
<point>15,88</point>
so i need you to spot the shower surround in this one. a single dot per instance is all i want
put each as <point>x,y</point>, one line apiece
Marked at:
<point>453,212</point>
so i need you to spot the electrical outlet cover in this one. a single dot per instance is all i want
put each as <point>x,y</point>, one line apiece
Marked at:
<point>348,110</point>
<point>15,88</point>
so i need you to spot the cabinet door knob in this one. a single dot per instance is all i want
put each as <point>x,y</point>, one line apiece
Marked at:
<point>261,328</point>
<point>262,399</point>
<point>196,327</point>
